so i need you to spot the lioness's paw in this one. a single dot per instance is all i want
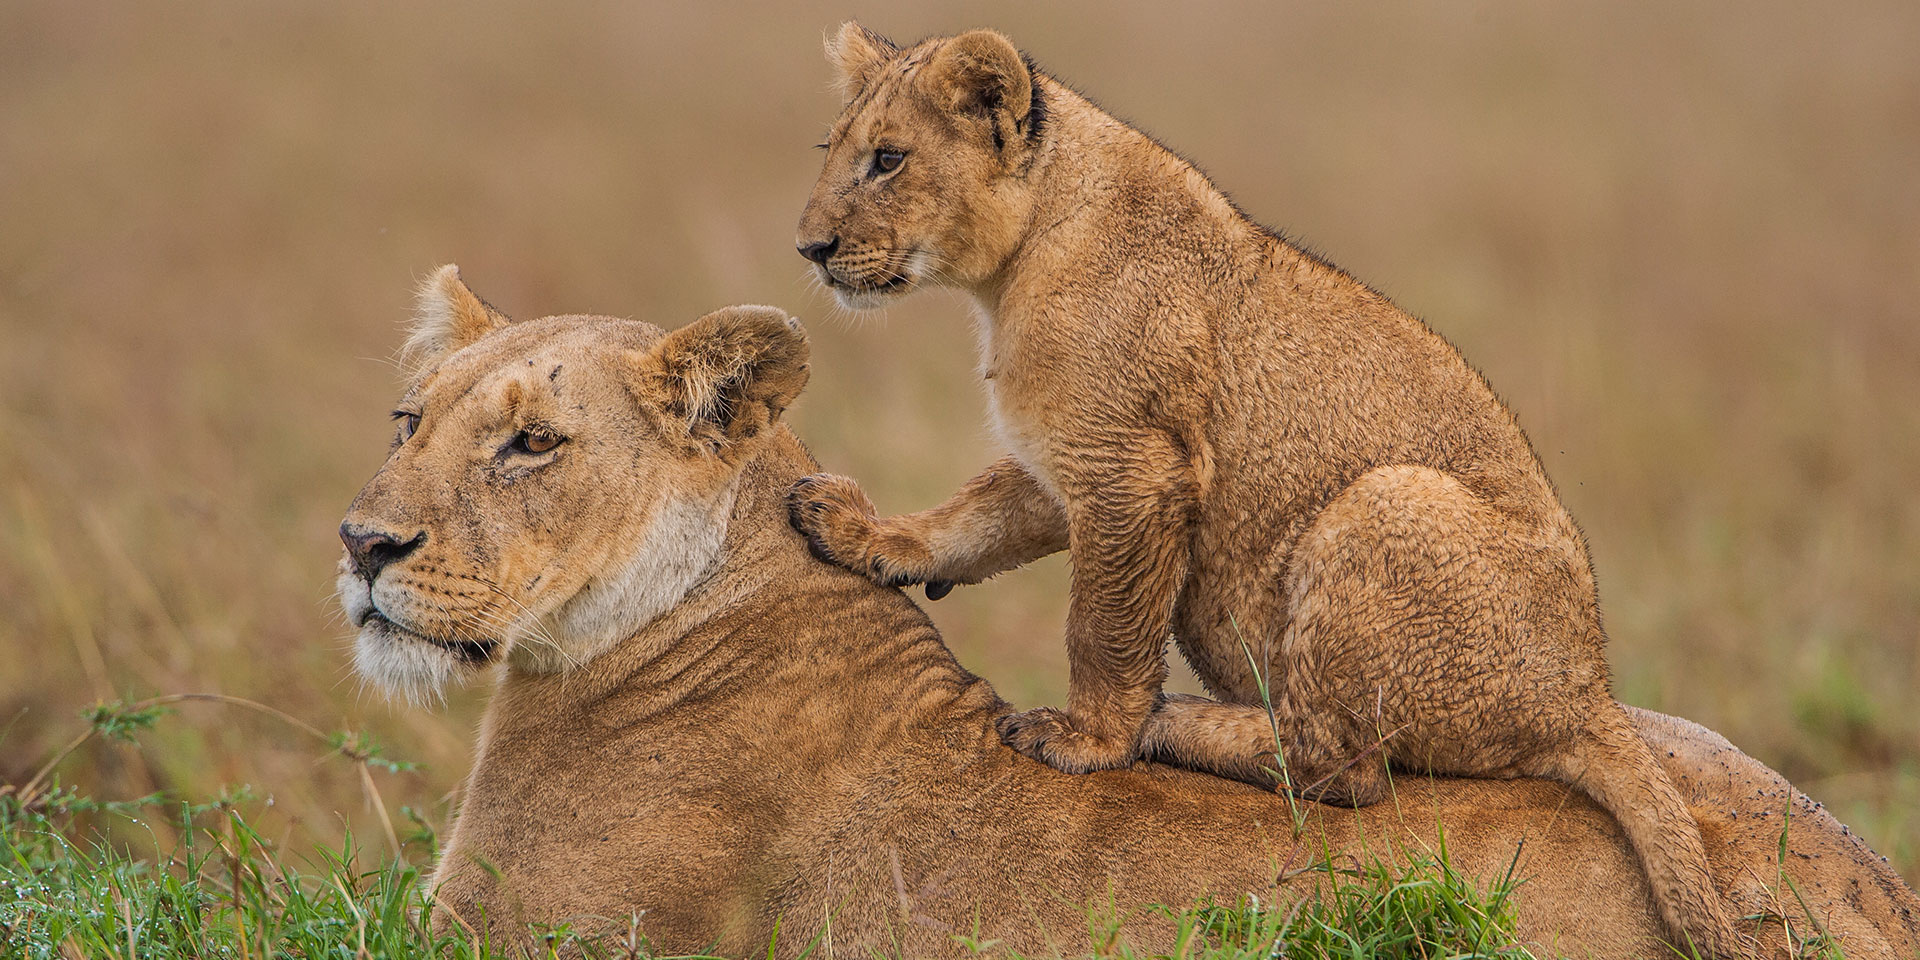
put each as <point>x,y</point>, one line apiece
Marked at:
<point>1048,735</point>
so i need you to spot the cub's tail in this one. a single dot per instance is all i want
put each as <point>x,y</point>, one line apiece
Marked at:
<point>1617,770</point>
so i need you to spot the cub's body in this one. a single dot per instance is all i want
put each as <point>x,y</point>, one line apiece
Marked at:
<point>1279,379</point>
<point>1242,446</point>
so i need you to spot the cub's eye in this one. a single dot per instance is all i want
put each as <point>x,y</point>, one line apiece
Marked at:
<point>409,422</point>
<point>887,161</point>
<point>534,441</point>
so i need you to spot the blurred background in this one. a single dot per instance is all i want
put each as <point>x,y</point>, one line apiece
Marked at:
<point>1682,240</point>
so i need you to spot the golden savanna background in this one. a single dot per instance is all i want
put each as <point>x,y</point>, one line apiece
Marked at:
<point>1682,240</point>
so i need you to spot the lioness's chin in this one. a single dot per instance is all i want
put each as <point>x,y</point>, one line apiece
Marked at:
<point>406,665</point>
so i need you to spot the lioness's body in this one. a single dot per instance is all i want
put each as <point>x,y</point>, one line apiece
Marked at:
<point>1239,443</point>
<point>771,742</point>
<point>809,730</point>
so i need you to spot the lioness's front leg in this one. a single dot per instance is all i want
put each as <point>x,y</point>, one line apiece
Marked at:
<point>1129,513</point>
<point>997,521</point>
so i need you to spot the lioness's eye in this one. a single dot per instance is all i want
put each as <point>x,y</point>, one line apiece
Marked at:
<point>887,161</point>
<point>534,441</point>
<point>409,422</point>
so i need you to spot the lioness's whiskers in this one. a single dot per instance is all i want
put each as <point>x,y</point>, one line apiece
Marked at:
<point>529,621</point>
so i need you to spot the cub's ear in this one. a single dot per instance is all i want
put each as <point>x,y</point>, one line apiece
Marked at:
<point>981,73</point>
<point>446,317</point>
<point>858,53</point>
<point>730,374</point>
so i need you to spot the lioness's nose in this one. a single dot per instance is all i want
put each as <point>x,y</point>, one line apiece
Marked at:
<point>372,550</point>
<point>819,252</point>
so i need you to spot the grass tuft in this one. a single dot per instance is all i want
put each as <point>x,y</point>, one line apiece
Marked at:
<point>1421,909</point>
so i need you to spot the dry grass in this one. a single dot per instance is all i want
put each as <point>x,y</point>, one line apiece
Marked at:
<point>1683,242</point>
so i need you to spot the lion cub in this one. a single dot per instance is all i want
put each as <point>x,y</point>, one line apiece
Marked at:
<point>1241,445</point>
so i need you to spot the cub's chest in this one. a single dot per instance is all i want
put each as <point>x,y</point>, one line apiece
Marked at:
<point>1019,410</point>
<point>1014,406</point>
<point>1019,434</point>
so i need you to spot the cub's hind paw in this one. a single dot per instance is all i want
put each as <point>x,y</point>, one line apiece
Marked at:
<point>1048,735</point>
<point>1343,791</point>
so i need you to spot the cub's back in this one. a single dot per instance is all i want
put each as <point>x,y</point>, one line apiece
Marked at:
<point>1322,379</point>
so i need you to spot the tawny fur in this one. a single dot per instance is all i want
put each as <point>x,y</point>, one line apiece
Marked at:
<point>789,742</point>
<point>1244,448</point>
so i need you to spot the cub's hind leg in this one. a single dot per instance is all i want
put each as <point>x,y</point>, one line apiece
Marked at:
<point>1469,634</point>
<point>1242,742</point>
<point>1465,636</point>
<point>1407,627</point>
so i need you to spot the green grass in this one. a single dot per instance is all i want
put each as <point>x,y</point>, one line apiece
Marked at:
<point>1422,909</point>
<point>227,891</point>
<point>224,891</point>
<point>161,877</point>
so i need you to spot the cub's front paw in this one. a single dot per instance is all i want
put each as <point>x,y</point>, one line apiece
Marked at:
<point>1048,735</point>
<point>835,517</point>
<point>841,528</point>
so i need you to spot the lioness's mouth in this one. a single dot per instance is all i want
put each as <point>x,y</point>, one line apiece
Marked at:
<point>472,651</point>
<point>894,281</point>
<point>469,651</point>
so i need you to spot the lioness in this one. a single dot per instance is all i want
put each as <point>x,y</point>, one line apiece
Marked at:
<point>1240,444</point>
<point>697,725</point>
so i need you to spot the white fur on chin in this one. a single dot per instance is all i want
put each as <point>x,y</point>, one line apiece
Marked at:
<point>404,667</point>
<point>855,299</point>
<point>398,665</point>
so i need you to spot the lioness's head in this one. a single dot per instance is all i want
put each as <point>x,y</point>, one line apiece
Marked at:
<point>924,178</point>
<point>554,484</point>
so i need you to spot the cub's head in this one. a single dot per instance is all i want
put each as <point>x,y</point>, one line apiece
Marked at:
<point>553,485</point>
<point>925,178</point>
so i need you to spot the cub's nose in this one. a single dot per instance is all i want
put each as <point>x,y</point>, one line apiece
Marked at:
<point>819,252</point>
<point>371,550</point>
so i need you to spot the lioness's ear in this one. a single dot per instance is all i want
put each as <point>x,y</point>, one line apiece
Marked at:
<point>980,72</point>
<point>857,53</point>
<point>730,374</point>
<point>446,317</point>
